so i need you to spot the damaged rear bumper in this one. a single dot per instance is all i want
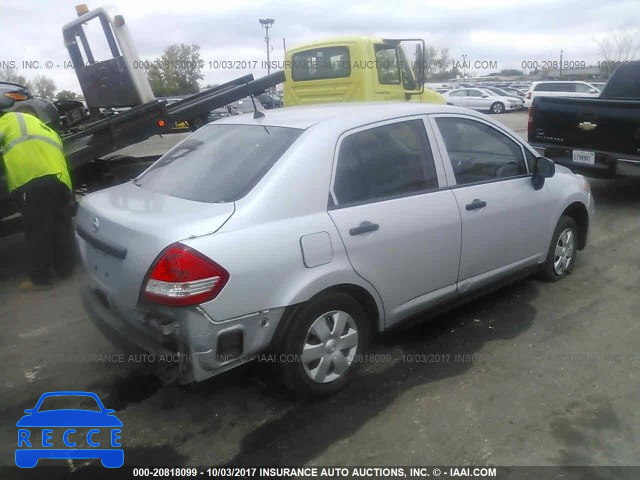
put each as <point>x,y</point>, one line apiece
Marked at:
<point>188,346</point>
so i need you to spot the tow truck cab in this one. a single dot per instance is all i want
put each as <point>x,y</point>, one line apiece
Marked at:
<point>353,69</point>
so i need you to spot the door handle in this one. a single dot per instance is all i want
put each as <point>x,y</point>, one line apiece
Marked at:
<point>477,203</point>
<point>364,227</point>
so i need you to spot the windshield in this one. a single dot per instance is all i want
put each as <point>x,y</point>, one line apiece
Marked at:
<point>218,163</point>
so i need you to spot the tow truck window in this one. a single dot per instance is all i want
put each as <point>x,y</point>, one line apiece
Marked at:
<point>387,65</point>
<point>321,63</point>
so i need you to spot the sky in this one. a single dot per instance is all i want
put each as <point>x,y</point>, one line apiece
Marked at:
<point>506,32</point>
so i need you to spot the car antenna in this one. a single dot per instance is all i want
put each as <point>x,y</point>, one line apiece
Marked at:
<point>256,113</point>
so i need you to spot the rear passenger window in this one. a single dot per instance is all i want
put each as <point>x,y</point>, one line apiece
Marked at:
<point>549,87</point>
<point>383,162</point>
<point>567,87</point>
<point>479,152</point>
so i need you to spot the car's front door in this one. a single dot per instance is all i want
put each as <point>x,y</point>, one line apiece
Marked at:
<point>476,100</point>
<point>504,219</point>
<point>401,230</point>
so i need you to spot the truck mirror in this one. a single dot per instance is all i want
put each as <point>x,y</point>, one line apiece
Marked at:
<point>412,59</point>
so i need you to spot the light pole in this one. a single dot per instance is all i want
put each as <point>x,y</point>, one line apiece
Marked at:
<point>266,24</point>
<point>464,65</point>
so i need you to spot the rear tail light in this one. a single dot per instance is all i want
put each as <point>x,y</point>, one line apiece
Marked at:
<point>182,276</point>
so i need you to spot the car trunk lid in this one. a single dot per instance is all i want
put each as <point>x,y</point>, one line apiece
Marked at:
<point>123,229</point>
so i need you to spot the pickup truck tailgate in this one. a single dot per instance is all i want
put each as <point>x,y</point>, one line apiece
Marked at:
<point>595,124</point>
<point>608,129</point>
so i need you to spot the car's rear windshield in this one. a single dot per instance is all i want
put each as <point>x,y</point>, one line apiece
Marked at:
<point>218,163</point>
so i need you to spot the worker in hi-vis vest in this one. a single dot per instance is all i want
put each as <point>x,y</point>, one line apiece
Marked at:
<point>38,178</point>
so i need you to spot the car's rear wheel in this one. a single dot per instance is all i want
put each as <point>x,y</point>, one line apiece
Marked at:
<point>497,107</point>
<point>321,346</point>
<point>563,250</point>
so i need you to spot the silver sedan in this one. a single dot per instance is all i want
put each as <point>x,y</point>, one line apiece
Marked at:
<point>482,99</point>
<point>293,237</point>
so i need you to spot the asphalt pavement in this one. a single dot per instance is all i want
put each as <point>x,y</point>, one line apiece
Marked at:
<point>533,374</point>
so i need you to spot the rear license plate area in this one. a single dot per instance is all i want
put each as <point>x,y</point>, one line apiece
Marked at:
<point>583,157</point>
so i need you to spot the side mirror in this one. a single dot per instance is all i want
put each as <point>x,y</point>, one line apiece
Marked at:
<point>593,90</point>
<point>29,411</point>
<point>543,168</point>
<point>485,95</point>
<point>6,102</point>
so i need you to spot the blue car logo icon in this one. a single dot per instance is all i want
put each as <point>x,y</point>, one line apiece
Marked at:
<point>40,427</point>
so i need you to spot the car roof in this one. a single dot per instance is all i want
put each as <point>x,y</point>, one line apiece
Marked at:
<point>348,115</point>
<point>559,81</point>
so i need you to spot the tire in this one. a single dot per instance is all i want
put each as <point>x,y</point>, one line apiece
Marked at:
<point>327,367</point>
<point>497,107</point>
<point>563,250</point>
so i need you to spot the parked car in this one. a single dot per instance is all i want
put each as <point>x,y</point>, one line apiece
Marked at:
<point>442,90</point>
<point>503,93</point>
<point>239,242</point>
<point>514,92</point>
<point>25,102</point>
<point>481,99</point>
<point>70,112</point>
<point>270,100</point>
<point>559,89</point>
<point>599,137</point>
<point>219,113</point>
<point>246,106</point>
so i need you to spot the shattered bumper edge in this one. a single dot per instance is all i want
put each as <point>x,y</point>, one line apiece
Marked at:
<point>194,365</point>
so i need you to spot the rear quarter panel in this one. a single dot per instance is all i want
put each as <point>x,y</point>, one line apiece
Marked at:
<point>260,244</point>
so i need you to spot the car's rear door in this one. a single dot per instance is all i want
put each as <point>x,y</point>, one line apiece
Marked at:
<point>504,220</point>
<point>398,220</point>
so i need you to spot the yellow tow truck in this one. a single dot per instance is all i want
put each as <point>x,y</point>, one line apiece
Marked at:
<point>356,69</point>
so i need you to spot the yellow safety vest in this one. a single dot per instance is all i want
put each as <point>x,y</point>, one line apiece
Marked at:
<point>30,150</point>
